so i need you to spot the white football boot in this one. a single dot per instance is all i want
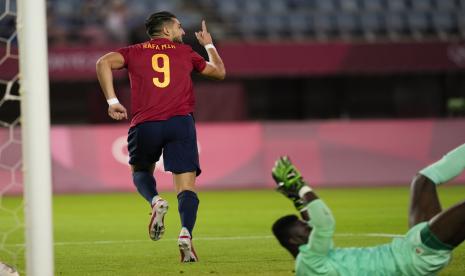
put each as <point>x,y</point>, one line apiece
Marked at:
<point>186,248</point>
<point>156,225</point>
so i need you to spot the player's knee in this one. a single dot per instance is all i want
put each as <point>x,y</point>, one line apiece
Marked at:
<point>186,187</point>
<point>422,180</point>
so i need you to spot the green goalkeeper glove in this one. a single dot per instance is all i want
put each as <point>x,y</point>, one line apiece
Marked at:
<point>289,181</point>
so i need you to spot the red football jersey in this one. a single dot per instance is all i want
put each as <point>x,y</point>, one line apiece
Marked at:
<point>160,75</point>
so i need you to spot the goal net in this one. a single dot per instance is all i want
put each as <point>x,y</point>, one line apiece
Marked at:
<point>25,177</point>
<point>11,203</point>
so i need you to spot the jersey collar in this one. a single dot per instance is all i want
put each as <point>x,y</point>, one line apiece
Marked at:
<point>162,39</point>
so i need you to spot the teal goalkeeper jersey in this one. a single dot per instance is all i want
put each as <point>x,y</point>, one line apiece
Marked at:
<point>403,256</point>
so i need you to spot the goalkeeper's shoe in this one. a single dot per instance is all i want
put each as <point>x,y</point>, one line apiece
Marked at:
<point>186,248</point>
<point>157,225</point>
<point>287,178</point>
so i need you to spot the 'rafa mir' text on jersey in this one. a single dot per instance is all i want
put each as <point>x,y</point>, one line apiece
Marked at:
<point>158,47</point>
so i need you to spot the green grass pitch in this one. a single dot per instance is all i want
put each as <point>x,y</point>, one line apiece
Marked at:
<point>106,234</point>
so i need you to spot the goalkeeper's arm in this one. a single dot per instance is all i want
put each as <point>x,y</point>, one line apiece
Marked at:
<point>322,222</point>
<point>322,218</point>
<point>306,196</point>
<point>290,183</point>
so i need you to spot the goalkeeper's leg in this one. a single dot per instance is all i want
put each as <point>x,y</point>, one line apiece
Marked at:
<point>424,201</point>
<point>448,227</point>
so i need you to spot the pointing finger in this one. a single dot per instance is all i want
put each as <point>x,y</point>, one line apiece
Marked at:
<point>204,26</point>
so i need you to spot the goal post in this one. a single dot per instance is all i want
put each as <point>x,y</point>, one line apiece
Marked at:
<point>35,127</point>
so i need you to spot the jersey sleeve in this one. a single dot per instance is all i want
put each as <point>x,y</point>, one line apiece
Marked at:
<point>323,224</point>
<point>313,258</point>
<point>125,53</point>
<point>198,61</point>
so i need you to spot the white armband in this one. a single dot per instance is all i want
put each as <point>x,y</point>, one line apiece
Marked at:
<point>209,46</point>
<point>305,189</point>
<point>112,101</point>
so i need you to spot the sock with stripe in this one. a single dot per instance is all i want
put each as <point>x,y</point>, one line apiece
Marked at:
<point>146,185</point>
<point>188,204</point>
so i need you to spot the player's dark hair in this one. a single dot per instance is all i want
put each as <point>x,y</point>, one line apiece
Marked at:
<point>281,229</point>
<point>155,22</point>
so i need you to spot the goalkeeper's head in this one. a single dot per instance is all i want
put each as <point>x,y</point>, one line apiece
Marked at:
<point>164,25</point>
<point>291,233</point>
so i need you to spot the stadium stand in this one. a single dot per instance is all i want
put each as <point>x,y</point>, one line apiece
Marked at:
<point>100,21</point>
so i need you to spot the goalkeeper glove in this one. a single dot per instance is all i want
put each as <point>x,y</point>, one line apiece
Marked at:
<point>289,181</point>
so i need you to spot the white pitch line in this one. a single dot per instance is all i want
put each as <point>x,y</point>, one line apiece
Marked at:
<point>377,235</point>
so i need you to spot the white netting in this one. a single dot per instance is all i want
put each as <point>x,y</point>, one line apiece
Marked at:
<point>11,203</point>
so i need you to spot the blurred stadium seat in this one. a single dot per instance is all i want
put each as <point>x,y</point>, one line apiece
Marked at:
<point>397,5</point>
<point>373,25</point>
<point>325,5</point>
<point>349,5</point>
<point>419,24</point>
<point>84,22</point>
<point>276,26</point>
<point>301,25</point>
<point>422,5</point>
<point>348,24</point>
<point>278,6</point>
<point>373,5</point>
<point>251,27</point>
<point>228,7</point>
<point>325,26</point>
<point>396,25</point>
<point>444,23</point>
<point>461,22</point>
<point>446,5</point>
<point>254,7</point>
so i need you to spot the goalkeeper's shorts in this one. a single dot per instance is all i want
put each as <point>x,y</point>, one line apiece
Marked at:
<point>419,252</point>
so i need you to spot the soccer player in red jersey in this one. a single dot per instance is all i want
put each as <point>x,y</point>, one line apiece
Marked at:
<point>162,103</point>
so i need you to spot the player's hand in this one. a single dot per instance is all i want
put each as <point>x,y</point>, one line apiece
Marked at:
<point>288,179</point>
<point>117,112</point>
<point>203,36</point>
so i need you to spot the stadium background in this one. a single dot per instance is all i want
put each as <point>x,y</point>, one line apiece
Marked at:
<point>357,92</point>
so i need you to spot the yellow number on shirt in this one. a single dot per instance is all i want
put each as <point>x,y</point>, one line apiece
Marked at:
<point>164,68</point>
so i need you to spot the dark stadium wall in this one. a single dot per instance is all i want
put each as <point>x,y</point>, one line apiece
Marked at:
<point>293,59</point>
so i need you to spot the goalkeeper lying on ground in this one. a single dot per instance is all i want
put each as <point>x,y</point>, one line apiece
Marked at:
<point>425,249</point>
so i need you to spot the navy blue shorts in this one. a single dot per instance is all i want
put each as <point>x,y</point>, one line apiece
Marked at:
<point>176,138</point>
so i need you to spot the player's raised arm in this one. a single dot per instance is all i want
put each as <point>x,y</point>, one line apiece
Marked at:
<point>104,67</point>
<point>215,67</point>
<point>290,183</point>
